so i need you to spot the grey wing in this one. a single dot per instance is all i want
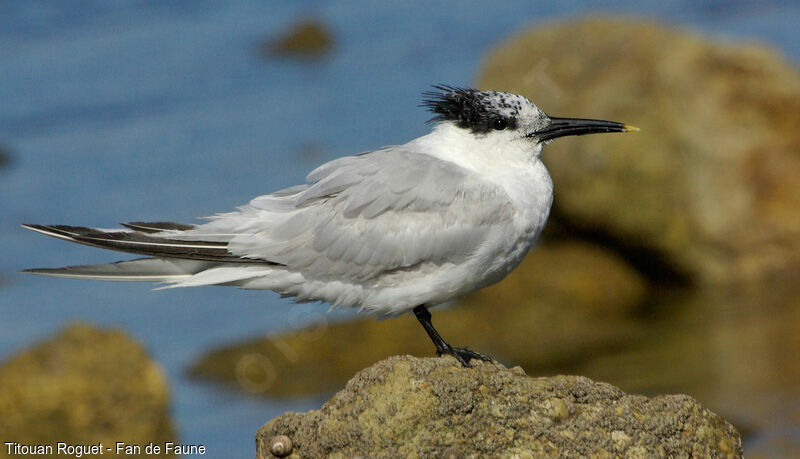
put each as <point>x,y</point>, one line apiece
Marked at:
<point>367,215</point>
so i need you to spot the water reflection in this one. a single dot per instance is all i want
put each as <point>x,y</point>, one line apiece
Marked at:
<point>733,348</point>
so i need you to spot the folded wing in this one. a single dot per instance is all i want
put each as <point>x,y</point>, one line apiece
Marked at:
<point>364,216</point>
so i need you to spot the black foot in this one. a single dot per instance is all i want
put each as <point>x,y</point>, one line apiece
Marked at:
<point>463,355</point>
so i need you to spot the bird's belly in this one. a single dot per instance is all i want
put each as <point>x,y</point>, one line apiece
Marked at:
<point>505,256</point>
<point>431,284</point>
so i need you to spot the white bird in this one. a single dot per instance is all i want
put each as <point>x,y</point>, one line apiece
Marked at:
<point>394,230</point>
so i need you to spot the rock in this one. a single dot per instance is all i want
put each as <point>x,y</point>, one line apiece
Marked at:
<point>710,181</point>
<point>82,387</point>
<point>405,406</point>
<point>733,348</point>
<point>310,38</point>
<point>565,301</point>
<point>5,158</point>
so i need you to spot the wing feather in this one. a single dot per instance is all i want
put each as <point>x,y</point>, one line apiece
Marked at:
<point>155,227</point>
<point>143,244</point>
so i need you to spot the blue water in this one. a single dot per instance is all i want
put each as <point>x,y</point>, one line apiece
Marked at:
<point>152,110</point>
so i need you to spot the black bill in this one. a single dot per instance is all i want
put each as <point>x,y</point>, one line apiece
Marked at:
<point>560,127</point>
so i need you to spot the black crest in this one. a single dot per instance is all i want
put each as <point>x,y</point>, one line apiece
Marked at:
<point>470,108</point>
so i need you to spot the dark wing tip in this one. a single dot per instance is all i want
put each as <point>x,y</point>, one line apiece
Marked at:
<point>140,242</point>
<point>39,271</point>
<point>155,227</point>
<point>60,231</point>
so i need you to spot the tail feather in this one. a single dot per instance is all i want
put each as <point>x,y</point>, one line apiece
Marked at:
<point>140,270</point>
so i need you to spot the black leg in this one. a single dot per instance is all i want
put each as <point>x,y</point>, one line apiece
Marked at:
<point>463,354</point>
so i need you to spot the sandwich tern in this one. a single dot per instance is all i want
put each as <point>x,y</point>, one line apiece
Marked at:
<point>398,229</point>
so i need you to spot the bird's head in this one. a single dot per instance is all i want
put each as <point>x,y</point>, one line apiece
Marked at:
<point>507,116</point>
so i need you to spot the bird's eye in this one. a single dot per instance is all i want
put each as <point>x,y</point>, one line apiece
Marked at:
<point>499,124</point>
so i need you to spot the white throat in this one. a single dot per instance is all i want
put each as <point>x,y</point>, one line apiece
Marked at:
<point>483,154</point>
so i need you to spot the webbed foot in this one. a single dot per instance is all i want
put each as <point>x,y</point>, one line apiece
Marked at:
<point>464,355</point>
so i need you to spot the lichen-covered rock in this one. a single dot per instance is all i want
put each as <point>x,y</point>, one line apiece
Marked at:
<point>566,299</point>
<point>82,387</point>
<point>433,407</point>
<point>710,182</point>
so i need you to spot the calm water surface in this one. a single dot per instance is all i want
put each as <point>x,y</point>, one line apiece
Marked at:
<point>150,110</point>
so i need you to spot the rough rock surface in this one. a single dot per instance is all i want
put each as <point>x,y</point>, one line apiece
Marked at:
<point>82,387</point>
<point>581,303</point>
<point>710,181</point>
<point>405,406</point>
